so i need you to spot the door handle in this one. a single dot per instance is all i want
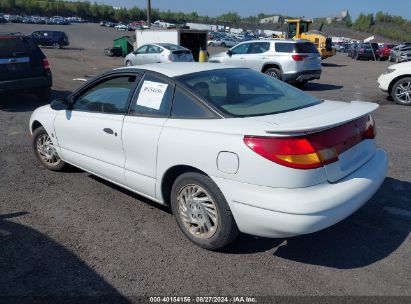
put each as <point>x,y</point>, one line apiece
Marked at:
<point>110,131</point>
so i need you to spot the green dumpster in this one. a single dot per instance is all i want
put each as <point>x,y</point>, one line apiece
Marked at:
<point>125,43</point>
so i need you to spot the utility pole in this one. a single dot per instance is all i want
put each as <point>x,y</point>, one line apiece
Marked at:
<point>149,13</point>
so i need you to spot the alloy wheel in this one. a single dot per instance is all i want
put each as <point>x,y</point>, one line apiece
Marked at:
<point>403,92</point>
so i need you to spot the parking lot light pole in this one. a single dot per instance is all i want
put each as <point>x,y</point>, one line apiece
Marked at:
<point>149,13</point>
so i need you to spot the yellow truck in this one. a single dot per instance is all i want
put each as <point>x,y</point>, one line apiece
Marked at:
<point>300,29</point>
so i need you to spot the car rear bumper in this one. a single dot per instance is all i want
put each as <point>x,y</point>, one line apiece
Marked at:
<point>367,55</point>
<point>280,212</point>
<point>26,83</point>
<point>302,76</point>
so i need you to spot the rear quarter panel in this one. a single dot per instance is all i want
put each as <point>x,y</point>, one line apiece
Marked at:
<point>197,143</point>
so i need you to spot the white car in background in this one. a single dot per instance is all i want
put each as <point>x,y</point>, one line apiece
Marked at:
<point>121,27</point>
<point>294,61</point>
<point>228,42</point>
<point>396,81</point>
<point>158,53</point>
<point>230,149</point>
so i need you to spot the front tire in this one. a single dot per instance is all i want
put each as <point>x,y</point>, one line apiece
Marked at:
<point>223,45</point>
<point>45,151</point>
<point>56,45</point>
<point>128,63</point>
<point>201,211</point>
<point>401,91</point>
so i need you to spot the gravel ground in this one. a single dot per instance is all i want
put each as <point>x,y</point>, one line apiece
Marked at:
<point>75,234</point>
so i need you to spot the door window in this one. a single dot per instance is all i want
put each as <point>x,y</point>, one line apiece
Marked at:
<point>258,47</point>
<point>240,49</point>
<point>142,50</point>
<point>153,97</point>
<point>153,49</point>
<point>109,96</point>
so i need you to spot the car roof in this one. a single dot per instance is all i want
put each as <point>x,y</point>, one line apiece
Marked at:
<point>180,68</point>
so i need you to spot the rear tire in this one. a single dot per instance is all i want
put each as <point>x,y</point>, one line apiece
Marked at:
<point>44,95</point>
<point>273,72</point>
<point>223,45</point>
<point>45,151</point>
<point>211,44</point>
<point>128,63</point>
<point>202,212</point>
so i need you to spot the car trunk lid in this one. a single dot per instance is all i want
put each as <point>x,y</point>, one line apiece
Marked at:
<point>331,127</point>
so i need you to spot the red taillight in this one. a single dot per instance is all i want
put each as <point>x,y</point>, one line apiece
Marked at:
<point>46,64</point>
<point>297,57</point>
<point>313,150</point>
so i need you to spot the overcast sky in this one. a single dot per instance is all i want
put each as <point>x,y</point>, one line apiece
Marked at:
<point>307,8</point>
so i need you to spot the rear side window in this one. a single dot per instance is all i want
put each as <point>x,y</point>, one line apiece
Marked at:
<point>301,47</point>
<point>185,106</point>
<point>305,47</point>
<point>282,47</point>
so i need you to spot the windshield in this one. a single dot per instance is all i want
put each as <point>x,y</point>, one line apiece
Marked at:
<point>244,92</point>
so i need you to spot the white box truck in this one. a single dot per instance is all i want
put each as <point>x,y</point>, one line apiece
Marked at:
<point>194,40</point>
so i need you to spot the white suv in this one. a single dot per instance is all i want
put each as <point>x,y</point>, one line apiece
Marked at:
<point>296,61</point>
<point>396,81</point>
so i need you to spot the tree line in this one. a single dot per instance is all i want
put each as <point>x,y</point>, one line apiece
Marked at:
<point>393,27</point>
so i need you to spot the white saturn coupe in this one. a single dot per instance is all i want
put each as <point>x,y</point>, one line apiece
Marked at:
<point>230,149</point>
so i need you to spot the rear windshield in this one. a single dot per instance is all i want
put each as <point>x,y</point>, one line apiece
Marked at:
<point>244,92</point>
<point>16,47</point>
<point>301,47</point>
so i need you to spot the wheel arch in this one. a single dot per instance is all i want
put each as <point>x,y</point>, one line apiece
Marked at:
<point>170,176</point>
<point>395,80</point>
<point>35,125</point>
<point>270,65</point>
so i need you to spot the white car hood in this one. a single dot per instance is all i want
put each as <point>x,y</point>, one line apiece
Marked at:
<point>401,66</point>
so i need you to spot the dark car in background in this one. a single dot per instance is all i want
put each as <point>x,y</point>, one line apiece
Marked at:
<point>55,39</point>
<point>365,50</point>
<point>23,66</point>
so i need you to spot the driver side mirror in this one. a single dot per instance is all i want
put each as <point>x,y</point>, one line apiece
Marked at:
<point>63,103</point>
<point>229,53</point>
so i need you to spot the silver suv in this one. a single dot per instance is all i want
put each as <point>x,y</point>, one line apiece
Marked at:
<point>294,61</point>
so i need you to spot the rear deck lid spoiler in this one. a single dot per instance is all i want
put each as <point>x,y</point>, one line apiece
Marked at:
<point>327,115</point>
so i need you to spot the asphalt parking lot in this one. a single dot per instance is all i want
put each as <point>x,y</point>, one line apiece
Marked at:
<point>74,234</point>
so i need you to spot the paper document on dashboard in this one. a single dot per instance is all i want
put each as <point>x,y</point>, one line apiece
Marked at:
<point>151,94</point>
